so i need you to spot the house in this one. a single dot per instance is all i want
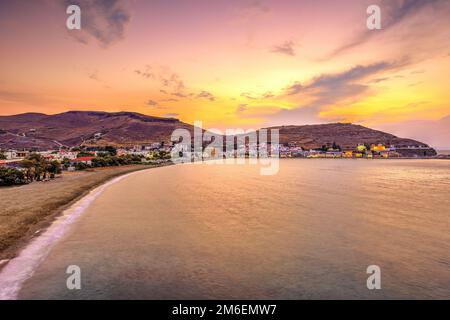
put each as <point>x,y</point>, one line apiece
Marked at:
<point>378,147</point>
<point>10,163</point>
<point>14,154</point>
<point>66,154</point>
<point>348,154</point>
<point>85,160</point>
<point>333,154</point>
<point>361,148</point>
<point>121,152</point>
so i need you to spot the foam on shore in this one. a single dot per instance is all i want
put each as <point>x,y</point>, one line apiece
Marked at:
<point>22,267</point>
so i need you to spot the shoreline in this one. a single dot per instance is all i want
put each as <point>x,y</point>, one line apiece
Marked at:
<point>44,209</point>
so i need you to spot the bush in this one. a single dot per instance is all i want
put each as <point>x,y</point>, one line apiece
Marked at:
<point>81,166</point>
<point>11,176</point>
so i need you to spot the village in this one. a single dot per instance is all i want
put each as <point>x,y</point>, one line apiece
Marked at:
<point>71,158</point>
<point>372,151</point>
<point>157,152</point>
<point>24,166</point>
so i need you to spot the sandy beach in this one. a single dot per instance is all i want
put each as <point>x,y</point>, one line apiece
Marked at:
<point>27,210</point>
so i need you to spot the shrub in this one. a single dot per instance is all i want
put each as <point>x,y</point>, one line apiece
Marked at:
<point>11,176</point>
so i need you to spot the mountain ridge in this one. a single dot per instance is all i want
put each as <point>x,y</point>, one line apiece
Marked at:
<point>72,128</point>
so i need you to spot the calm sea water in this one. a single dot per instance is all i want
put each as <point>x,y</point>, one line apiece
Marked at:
<point>225,231</point>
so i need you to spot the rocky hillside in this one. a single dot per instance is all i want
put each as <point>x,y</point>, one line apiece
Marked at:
<point>345,135</point>
<point>73,128</point>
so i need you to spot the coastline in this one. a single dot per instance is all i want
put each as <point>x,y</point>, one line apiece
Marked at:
<point>32,208</point>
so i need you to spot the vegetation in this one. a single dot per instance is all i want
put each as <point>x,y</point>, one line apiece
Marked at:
<point>11,176</point>
<point>2,156</point>
<point>34,168</point>
<point>85,154</point>
<point>160,155</point>
<point>106,160</point>
<point>37,168</point>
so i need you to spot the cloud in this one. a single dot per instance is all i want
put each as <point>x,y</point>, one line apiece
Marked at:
<point>294,88</point>
<point>248,95</point>
<point>340,83</point>
<point>241,108</point>
<point>286,48</point>
<point>103,20</point>
<point>152,103</point>
<point>393,12</point>
<point>94,75</point>
<point>327,90</point>
<point>377,80</point>
<point>206,95</point>
<point>146,72</point>
<point>171,83</point>
<point>252,9</point>
<point>170,100</point>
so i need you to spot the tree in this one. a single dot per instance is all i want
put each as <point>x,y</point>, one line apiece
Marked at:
<point>54,167</point>
<point>40,165</point>
<point>11,176</point>
<point>28,165</point>
<point>111,150</point>
<point>336,147</point>
<point>85,154</point>
<point>81,166</point>
<point>37,167</point>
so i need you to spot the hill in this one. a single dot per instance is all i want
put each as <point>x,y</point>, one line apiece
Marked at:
<point>345,135</point>
<point>73,128</point>
<point>92,128</point>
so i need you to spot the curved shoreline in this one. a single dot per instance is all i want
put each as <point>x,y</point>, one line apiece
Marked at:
<point>17,270</point>
<point>33,224</point>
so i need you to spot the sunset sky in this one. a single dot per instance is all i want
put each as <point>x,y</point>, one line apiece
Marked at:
<point>244,63</point>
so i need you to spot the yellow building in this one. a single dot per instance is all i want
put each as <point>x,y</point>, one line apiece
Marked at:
<point>348,154</point>
<point>378,147</point>
<point>361,148</point>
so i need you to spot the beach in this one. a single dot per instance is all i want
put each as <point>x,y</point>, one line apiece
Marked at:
<point>28,209</point>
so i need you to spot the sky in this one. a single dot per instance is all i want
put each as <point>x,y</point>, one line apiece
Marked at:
<point>235,63</point>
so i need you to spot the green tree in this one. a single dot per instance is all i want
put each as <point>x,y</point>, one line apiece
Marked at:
<point>85,154</point>
<point>54,167</point>
<point>11,176</point>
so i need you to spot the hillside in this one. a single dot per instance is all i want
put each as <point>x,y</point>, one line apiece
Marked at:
<point>73,128</point>
<point>345,135</point>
